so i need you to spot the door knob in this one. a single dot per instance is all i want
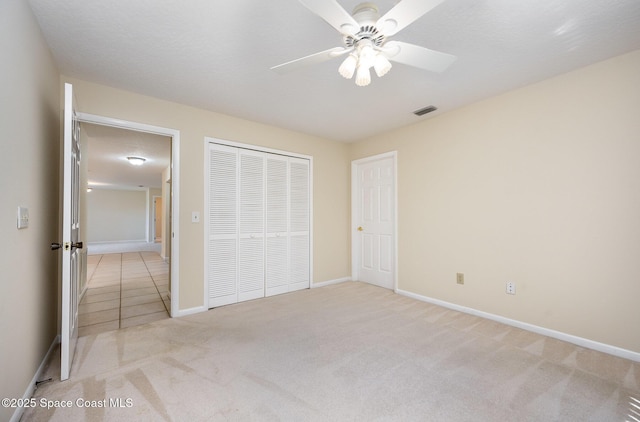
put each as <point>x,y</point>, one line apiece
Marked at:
<point>360,228</point>
<point>77,245</point>
<point>55,246</point>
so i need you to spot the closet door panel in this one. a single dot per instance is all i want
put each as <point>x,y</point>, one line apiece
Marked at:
<point>277,266</point>
<point>251,225</point>
<point>299,224</point>
<point>222,268</point>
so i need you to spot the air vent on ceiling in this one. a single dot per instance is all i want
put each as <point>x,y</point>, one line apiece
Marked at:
<point>425,110</point>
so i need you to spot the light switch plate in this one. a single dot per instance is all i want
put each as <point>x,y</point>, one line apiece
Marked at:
<point>23,217</point>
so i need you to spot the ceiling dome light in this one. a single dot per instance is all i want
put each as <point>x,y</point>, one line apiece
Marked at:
<point>136,161</point>
<point>363,77</point>
<point>348,66</point>
<point>381,65</point>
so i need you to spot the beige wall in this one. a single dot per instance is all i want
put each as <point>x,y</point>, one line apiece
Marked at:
<point>29,151</point>
<point>116,215</point>
<point>331,176</point>
<point>539,186</point>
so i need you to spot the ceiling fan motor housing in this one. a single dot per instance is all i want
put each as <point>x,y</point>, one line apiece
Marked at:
<point>366,14</point>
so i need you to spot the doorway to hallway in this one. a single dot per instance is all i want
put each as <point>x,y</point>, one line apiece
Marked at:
<point>170,194</point>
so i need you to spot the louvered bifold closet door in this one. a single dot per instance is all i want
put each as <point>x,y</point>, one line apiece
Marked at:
<point>251,226</point>
<point>299,224</point>
<point>222,268</point>
<point>277,212</point>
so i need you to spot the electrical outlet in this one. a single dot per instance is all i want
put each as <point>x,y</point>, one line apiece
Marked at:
<point>511,288</point>
<point>460,278</point>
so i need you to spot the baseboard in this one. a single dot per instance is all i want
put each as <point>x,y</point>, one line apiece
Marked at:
<point>31,388</point>
<point>122,246</point>
<point>580,341</point>
<point>190,311</point>
<point>330,282</point>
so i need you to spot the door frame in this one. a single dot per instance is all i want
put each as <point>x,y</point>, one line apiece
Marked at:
<point>355,246</point>
<point>175,189</point>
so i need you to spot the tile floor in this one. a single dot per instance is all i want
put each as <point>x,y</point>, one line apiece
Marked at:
<point>123,290</point>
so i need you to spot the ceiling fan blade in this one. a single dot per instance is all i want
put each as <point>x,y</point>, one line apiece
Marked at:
<point>416,56</point>
<point>320,57</point>
<point>333,14</point>
<point>403,14</point>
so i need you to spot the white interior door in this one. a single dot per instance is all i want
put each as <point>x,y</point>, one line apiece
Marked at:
<point>277,230</point>
<point>251,226</point>
<point>299,224</point>
<point>72,263</point>
<point>374,221</point>
<point>223,226</point>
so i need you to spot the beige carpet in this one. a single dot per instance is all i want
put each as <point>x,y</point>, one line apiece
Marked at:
<point>347,352</point>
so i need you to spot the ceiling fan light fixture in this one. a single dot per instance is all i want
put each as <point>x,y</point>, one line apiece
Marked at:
<point>381,65</point>
<point>363,77</point>
<point>136,161</point>
<point>366,54</point>
<point>348,66</point>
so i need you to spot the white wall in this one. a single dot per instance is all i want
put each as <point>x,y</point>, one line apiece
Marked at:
<point>539,186</point>
<point>116,215</point>
<point>29,165</point>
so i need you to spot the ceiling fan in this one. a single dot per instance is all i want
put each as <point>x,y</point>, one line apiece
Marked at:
<point>366,39</point>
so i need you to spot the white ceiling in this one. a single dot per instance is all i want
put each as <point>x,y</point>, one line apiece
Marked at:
<point>107,151</point>
<point>217,55</point>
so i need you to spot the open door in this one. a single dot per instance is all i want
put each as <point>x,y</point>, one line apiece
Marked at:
<point>72,261</point>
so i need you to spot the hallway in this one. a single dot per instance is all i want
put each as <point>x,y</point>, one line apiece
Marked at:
<point>123,290</point>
